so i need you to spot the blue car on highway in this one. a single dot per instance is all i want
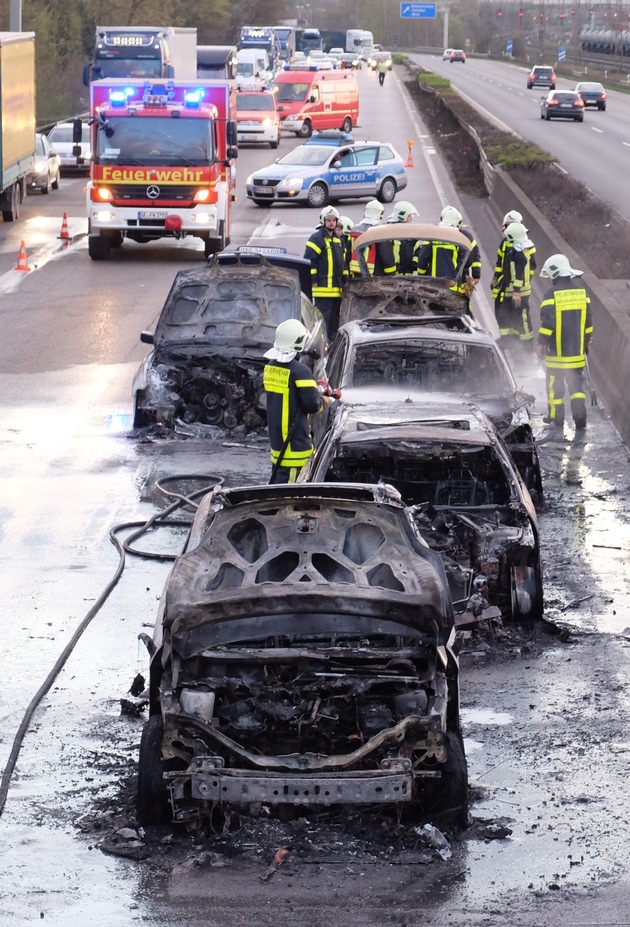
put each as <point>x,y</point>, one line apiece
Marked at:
<point>320,174</point>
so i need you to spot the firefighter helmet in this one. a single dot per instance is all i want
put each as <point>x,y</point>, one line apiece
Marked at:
<point>327,212</point>
<point>558,266</point>
<point>403,211</point>
<point>291,335</point>
<point>515,232</point>
<point>346,224</point>
<point>451,216</point>
<point>373,210</point>
<point>512,216</point>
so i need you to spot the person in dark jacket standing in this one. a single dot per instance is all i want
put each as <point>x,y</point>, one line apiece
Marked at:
<point>292,396</point>
<point>564,338</point>
<point>325,252</point>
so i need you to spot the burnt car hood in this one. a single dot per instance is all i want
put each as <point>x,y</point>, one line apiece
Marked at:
<point>227,306</point>
<point>310,558</point>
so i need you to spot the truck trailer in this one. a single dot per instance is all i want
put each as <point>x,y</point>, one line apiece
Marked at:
<point>162,162</point>
<point>17,118</point>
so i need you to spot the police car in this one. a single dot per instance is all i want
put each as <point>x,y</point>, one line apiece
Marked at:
<point>317,174</point>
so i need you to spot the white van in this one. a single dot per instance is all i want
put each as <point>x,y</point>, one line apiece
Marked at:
<point>252,68</point>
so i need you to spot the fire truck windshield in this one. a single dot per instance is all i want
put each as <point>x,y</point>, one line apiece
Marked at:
<point>154,140</point>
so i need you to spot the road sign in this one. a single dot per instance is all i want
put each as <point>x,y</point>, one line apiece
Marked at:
<point>418,10</point>
<point>562,53</point>
<point>508,47</point>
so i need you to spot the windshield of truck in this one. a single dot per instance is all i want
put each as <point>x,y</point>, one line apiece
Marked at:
<point>307,155</point>
<point>155,140</point>
<point>291,93</point>
<point>244,69</point>
<point>255,101</point>
<point>127,67</point>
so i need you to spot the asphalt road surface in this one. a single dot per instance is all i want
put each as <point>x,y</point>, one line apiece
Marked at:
<point>545,716</point>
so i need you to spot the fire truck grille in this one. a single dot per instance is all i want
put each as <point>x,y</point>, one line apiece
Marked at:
<point>170,194</point>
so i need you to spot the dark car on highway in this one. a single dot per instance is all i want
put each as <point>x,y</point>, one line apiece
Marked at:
<point>562,104</point>
<point>458,54</point>
<point>592,93</point>
<point>541,76</point>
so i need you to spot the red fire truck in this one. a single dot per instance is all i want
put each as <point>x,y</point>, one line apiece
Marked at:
<point>163,157</point>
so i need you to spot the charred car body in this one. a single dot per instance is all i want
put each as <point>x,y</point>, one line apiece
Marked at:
<point>207,362</point>
<point>468,499</point>
<point>456,364</point>
<point>303,657</point>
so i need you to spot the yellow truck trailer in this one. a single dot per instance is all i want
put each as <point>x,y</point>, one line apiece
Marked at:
<point>17,118</point>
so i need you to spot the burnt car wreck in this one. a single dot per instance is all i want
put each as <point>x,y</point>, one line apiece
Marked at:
<point>206,365</point>
<point>303,657</point>
<point>467,497</point>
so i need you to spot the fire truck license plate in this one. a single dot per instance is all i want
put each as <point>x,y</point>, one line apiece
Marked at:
<point>152,214</point>
<point>263,191</point>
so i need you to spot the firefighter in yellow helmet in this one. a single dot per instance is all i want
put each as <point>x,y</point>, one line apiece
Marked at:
<point>292,396</point>
<point>564,338</point>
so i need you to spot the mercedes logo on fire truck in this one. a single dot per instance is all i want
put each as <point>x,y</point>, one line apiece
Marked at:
<point>153,192</point>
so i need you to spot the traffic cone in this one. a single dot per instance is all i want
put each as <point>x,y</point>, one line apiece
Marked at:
<point>22,263</point>
<point>409,161</point>
<point>64,235</point>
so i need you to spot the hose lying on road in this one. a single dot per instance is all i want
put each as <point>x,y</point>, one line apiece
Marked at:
<point>160,519</point>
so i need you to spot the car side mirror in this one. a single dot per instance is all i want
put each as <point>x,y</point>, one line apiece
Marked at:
<point>146,337</point>
<point>232,153</point>
<point>77,131</point>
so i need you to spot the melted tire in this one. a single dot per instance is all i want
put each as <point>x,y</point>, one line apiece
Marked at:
<point>152,804</point>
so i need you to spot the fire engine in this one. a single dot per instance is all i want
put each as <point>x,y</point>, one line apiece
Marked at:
<point>162,163</point>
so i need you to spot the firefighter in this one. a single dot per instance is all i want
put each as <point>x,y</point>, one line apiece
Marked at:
<point>513,215</point>
<point>514,287</point>
<point>441,259</point>
<point>564,338</point>
<point>292,396</point>
<point>344,229</point>
<point>325,252</point>
<point>402,249</point>
<point>372,215</point>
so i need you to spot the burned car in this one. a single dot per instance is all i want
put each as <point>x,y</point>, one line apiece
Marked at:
<point>468,498</point>
<point>206,365</point>
<point>302,658</point>
<point>383,307</point>
<point>433,357</point>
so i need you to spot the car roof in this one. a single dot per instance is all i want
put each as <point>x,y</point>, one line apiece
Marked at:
<point>462,422</point>
<point>394,231</point>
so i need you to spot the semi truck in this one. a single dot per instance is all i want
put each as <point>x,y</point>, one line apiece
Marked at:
<point>286,40</point>
<point>360,41</point>
<point>143,51</point>
<point>163,157</point>
<point>261,37</point>
<point>308,40</point>
<point>17,118</point>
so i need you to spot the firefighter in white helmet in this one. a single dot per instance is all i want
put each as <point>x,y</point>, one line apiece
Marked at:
<point>513,295</point>
<point>372,215</point>
<point>292,396</point>
<point>564,339</point>
<point>402,249</point>
<point>497,286</point>
<point>325,252</point>
<point>442,258</point>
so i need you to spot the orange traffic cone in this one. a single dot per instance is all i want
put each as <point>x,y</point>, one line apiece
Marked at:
<point>64,234</point>
<point>22,263</point>
<point>409,161</point>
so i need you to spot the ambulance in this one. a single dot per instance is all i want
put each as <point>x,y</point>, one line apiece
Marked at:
<point>310,99</point>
